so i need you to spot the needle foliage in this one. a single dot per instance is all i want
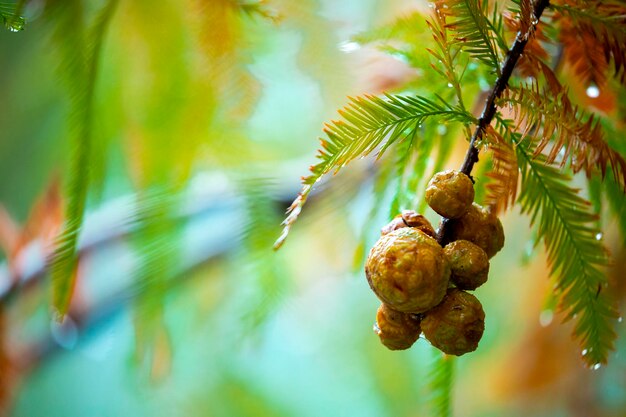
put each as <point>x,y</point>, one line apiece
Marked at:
<point>544,134</point>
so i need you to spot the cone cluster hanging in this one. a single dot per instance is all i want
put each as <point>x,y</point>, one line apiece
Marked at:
<point>423,285</point>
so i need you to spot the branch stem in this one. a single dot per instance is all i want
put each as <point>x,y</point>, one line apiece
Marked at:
<point>489,110</point>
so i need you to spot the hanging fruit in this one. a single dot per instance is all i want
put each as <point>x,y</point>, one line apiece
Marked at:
<point>422,285</point>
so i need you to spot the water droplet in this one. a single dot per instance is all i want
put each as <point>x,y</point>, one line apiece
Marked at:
<point>450,85</point>
<point>546,317</point>
<point>593,91</point>
<point>376,328</point>
<point>64,333</point>
<point>14,23</point>
<point>349,46</point>
<point>596,366</point>
<point>584,352</point>
<point>620,319</point>
<point>442,130</point>
<point>599,236</point>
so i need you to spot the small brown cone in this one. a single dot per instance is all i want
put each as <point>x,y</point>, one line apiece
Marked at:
<point>450,194</point>
<point>407,270</point>
<point>469,264</point>
<point>396,330</point>
<point>456,325</point>
<point>480,227</point>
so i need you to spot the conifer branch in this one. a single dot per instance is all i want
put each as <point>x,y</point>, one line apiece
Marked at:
<point>568,134</point>
<point>502,189</point>
<point>577,258</point>
<point>442,377</point>
<point>476,34</point>
<point>593,35</point>
<point>80,63</point>
<point>369,123</point>
<point>489,111</point>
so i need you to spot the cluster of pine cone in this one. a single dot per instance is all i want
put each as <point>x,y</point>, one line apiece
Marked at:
<point>421,284</point>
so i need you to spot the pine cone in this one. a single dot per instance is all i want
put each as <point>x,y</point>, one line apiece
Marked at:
<point>413,219</point>
<point>480,227</point>
<point>397,331</point>
<point>456,325</point>
<point>469,264</point>
<point>395,224</point>
<point>407,270</point>
<point>450,193</point>
<point>409,218</point>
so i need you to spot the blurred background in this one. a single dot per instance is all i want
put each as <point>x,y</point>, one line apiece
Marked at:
<point>205,115</point>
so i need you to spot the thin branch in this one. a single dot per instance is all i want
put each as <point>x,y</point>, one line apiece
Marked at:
<point>489,110</point>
